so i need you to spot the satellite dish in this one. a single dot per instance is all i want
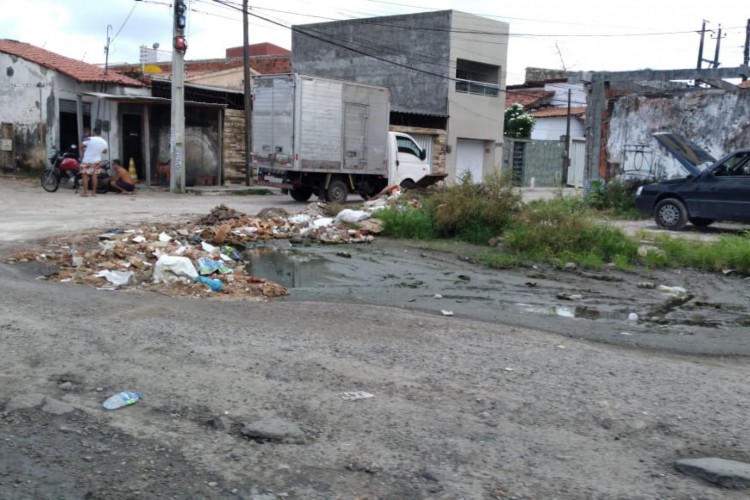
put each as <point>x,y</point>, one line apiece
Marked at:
<point>155,45</point>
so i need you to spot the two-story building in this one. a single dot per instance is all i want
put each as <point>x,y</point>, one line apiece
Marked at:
<point>446,71</point>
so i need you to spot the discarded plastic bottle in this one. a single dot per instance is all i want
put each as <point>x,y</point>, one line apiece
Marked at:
<point>75,259</point>
<point>121,399</point>
<point>214,285</point>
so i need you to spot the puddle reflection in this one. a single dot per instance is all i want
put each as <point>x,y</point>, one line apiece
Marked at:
<point>289,268</point>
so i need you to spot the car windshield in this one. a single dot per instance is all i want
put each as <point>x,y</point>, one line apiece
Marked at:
<point>737,164</point>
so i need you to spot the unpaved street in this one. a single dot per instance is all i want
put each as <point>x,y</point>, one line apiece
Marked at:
<point>538,385</point>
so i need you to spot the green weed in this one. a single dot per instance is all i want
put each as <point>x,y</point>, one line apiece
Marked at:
<point>475,212</point>
<point>406,222</point>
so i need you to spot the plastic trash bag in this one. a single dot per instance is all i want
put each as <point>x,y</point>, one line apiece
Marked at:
<point>351,216</point>
<point>117,278</point>
<point>171,268</point>
<point>210,266</point>
<point>231,252</point>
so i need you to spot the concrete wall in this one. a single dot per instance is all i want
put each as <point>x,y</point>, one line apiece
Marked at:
<point>716,120</point>
<point>419,41</point>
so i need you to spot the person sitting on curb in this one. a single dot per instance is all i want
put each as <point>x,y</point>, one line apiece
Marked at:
<point>122,181</point>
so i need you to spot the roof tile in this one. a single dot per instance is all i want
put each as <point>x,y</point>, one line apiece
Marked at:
<point>529,99</point>
<point>78,70</point>
<point>555,112</point>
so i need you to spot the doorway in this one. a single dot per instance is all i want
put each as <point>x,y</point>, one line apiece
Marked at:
<point>132,143</point>
<point>470,158</point>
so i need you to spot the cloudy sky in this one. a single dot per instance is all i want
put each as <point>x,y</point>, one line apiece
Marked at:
<point>575,35</point>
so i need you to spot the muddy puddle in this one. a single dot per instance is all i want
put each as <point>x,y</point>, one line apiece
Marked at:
<point>290,268</point>
<point>711,317</point>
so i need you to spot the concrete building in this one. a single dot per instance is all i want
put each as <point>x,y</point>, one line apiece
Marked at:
<point>446,71</point>
<point>46,99</point>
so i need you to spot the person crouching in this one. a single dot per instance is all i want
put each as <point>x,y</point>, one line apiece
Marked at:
<point>122,181</point>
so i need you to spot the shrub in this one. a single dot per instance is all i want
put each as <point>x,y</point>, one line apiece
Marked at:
<point>475,212</point>
<point>561,229</point>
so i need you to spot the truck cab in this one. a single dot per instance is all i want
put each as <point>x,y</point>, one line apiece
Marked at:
<point>407,161</point>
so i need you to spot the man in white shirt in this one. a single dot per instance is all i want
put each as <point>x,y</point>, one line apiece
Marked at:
<point>94,148</point>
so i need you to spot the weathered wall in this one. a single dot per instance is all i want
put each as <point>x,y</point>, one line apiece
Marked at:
<point>716,120</point>
<point>234,146</point>
<point>30,102</point>
<point>413,41</point>
<point>25,91</point>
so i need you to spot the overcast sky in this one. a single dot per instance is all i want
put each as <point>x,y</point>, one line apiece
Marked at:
<point>573,35</point>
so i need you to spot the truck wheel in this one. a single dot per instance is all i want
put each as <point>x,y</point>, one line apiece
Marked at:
<point>670,213</point>
<point>407,184</point>
<point>337,191</point>
<point>301,194</point>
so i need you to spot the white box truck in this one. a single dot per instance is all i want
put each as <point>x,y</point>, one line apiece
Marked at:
<point>330,138</point>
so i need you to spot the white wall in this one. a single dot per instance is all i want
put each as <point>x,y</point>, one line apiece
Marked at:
<point>550,129</point>
<point>475,116</point>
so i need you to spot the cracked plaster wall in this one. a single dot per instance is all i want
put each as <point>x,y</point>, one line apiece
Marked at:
<point>716,120</point>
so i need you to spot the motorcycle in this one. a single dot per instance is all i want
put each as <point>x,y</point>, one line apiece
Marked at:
<point>66,168</point>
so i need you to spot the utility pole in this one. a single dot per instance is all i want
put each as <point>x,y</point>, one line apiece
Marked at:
<point>248,89</point>
<point>718,44</point>
<point>700,47</point>
<point>566,154</point>
<point>177,136</point>
<point>106,52</point>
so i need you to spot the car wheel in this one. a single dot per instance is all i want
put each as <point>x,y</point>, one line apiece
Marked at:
<point>670,213</point>
<point>701,222</point>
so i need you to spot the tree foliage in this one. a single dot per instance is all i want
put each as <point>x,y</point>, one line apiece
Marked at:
<point>518,123</point>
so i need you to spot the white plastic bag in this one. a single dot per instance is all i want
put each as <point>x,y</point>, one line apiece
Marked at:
<point>351,216</point>
<point>117,278</point>
<point>172,267</point>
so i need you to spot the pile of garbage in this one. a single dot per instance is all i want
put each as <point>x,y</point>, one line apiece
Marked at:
<point>202,258</point>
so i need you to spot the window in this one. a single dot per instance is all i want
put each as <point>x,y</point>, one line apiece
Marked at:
<point>477,78</point>
<point>407,146</point>
<point>736,165</point>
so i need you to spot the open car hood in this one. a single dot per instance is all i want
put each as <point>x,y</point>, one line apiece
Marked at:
<point>689,154</point>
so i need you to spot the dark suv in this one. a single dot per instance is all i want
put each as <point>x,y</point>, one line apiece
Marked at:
<point>713,190</point>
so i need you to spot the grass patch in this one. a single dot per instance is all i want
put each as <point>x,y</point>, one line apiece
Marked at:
<point>406,222</point>
<point>729,252</point>
<point>498,260</point>
<point>561,230</point>
<point>616,198</point>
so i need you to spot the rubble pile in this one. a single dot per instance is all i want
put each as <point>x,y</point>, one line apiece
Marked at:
<point>209,251</point>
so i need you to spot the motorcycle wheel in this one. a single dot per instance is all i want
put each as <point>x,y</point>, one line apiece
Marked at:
<point>50,180</point>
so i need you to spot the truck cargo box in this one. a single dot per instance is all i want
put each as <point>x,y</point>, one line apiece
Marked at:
<point>311,124</point>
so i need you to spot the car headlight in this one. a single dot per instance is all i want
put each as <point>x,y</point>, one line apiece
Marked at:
<point>638,191</point>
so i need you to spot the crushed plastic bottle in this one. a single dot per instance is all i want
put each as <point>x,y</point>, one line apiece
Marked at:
<point>121,399</point>
<point>214,285</point>
<point>75,259</point>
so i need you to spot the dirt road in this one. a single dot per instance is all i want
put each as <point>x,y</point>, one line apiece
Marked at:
<point>249,400</point>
